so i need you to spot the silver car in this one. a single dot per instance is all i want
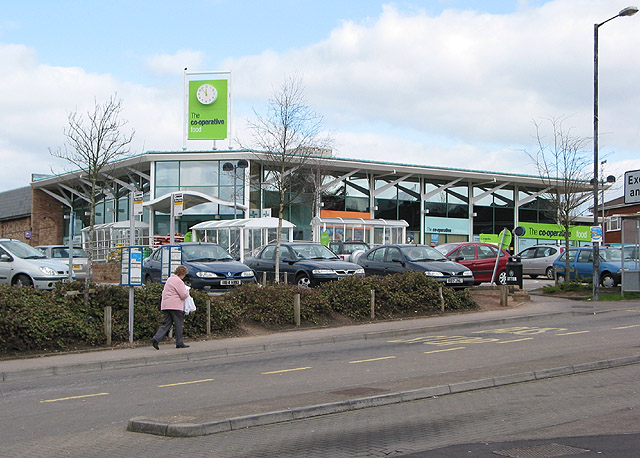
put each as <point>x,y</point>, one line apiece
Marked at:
<point>23,265</point>
<point>79,261</point>
<point>538,260</point>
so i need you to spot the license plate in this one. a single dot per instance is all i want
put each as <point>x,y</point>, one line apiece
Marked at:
<point>454,280</point>
<point>77,266</point>
<point>230,282</point>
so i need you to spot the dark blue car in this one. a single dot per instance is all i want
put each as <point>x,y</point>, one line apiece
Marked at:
<point>393,259</point>
<point>209,266</point>
<point>306,263</point>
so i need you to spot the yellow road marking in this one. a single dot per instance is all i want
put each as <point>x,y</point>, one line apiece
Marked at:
<point>74,397</point>
<point>572,333</point>
<point>627,327</point>
<point>445,349</point>
<point>372,359</point>
<point>187,383</point>
<point>520,330</point>
<point>516,340</point>
<point>286,370</point>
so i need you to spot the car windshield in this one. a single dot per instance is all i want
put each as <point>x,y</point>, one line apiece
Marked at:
<point>349,248</point>
<point>22,250</point>
<point>63,252</point>
<point>204,253</point>
<point>611,254</point>
<point>313,251</point>
<point>444,249</point>
<point>422,253</point>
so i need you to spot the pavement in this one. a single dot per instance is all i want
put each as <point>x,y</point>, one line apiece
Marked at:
<point>234,416</point>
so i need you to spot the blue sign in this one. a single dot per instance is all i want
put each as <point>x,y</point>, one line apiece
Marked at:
<point>596,234</point>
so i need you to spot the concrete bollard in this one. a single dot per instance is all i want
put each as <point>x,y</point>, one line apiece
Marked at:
<point>208,317</point>
<point>373,304</point>
<point>107,324</point>
<point>504,295</point>
<point>296,309</point>
<point>441,292</point>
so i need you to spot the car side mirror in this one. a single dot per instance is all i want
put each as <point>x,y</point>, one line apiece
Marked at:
<point>459,258</point>
<point>288,260</point>
<point>4,257</point>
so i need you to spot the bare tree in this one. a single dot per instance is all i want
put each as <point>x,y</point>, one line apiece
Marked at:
<point>563,164</point>
<point>94,139</point>
<point>291,142</point>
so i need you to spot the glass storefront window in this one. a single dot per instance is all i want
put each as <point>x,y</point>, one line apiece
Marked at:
<point>199,173</point>
<point>168,173</point>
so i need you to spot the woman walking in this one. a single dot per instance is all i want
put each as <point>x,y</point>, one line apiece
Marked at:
<point>174,294</point>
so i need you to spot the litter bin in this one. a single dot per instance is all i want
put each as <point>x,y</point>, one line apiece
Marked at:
<point>514,271</point>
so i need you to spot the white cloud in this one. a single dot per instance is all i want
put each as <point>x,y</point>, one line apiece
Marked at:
<point>174,64</point>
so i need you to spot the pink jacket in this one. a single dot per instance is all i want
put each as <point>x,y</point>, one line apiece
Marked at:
<point>173,294</point>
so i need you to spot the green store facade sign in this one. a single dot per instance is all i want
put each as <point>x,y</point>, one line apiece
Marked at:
<point>546,232</point>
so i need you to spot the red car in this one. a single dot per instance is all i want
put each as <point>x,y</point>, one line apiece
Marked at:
<point>480,258</point>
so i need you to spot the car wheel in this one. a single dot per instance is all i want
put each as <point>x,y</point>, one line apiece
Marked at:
<point>560,278</point>
<point>22,280</point>
<point>303,280</point>
<point>502,277</point>
<point>187,281</point>
<point>607,281</point>
<point>533,275</point>
<point>549,273</point>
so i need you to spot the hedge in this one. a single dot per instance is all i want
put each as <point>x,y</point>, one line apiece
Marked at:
<point>69,317</point>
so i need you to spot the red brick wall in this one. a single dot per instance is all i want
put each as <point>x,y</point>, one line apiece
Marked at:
<point>46,219</point>
<point>15,229</point>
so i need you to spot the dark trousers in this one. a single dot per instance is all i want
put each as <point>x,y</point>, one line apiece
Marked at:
<point>171,317</point>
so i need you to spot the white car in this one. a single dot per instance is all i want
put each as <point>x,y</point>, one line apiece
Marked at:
<point>23,265</point>
<point>79,258</point>
<point>539,259</point>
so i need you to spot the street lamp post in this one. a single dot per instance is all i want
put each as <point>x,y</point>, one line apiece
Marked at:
<point>629,11</point>
<point>229,167</point>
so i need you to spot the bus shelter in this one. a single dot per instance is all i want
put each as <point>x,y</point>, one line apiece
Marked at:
<point>108,237</point>
<point>240,237</point>
<point>631,253</point>
<point>372,231</point>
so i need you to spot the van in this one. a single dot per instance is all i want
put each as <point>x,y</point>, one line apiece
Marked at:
<point>23,265</point>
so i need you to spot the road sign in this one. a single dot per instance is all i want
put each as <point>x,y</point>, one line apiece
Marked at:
<point>632,187</point>
<point>596,233</point>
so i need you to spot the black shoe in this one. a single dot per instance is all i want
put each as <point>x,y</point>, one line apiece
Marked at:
<point>154,342</point>
<point>182,346</point>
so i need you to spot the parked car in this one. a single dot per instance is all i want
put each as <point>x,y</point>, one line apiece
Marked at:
<point>23,265</point>
<point>348,251</point>
<point>480,258</point>
<point>539,259</point>
<point>306,263</point>
<point>209,267</point>
<point>79,261</point>
<point>391,259</point>
<point>581,260</point>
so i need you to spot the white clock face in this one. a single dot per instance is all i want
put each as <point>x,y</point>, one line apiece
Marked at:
<point>207,94</point>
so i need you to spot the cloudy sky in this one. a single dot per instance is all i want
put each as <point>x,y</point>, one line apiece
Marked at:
<point>454,83</point>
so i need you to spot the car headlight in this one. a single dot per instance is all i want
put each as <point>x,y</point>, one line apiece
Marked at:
<point>206,275</point>
<point>433,273</point>
<point>48,271</point>
<point>467,273</point>
<point>359,271</point>
<point>247,273</point>
<point>323,272</point>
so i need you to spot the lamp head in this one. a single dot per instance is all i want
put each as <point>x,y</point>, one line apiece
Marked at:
<point>242,164</point>
<point>227,166</point>
<point>628,11</point>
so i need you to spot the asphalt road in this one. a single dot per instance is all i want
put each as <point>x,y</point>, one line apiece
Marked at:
<point>86,414</point>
